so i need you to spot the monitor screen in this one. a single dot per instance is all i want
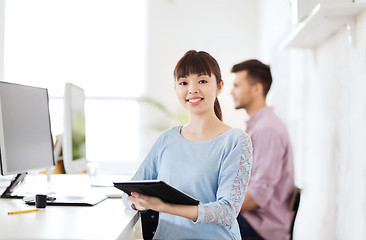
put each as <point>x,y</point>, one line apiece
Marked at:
<point>73,144</point>
<point>25,129</point>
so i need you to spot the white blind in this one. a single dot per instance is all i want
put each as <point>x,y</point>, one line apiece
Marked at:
<point>99,45</point>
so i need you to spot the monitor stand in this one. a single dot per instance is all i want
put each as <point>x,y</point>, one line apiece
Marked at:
<point>13,184</point>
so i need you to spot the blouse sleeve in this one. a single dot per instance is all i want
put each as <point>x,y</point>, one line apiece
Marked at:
<point>147,169</point>
<point>233,182</point>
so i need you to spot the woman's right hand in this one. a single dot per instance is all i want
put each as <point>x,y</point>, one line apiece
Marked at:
<point>143,202</point>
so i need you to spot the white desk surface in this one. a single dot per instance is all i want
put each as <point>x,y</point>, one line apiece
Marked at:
<point>106,220</point>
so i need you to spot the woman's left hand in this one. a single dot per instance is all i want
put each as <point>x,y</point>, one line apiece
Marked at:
<point>144,202</point>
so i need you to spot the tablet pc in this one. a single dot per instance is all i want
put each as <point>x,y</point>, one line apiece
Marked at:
<point>157,188</point>
<point>87,200</point>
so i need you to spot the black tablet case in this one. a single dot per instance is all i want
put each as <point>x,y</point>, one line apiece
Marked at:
<point>157,188</point>
<point>89,200</point>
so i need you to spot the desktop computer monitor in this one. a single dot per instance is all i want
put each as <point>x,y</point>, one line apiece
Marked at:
<point>73,141</point>
<point>25,132</point>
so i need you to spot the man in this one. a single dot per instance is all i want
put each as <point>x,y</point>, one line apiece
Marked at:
<point>265,212</point>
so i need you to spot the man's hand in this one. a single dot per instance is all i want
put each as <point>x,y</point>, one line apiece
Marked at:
<point>249,204</point>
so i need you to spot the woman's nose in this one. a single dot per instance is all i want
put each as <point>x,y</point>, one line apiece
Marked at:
<point>193,90</point>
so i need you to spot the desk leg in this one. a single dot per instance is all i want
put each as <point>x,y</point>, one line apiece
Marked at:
<point>136,232</point>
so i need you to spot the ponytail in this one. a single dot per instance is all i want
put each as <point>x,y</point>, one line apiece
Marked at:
<point>217,109</point>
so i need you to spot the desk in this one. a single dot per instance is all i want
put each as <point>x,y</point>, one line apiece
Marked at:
<point>106,220</point>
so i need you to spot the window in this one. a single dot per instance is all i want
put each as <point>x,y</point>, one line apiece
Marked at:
<point>98,45</point>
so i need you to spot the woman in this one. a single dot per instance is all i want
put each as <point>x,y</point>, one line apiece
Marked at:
<point>205,158</point>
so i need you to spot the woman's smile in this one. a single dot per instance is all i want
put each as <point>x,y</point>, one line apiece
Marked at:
<point>194,101</point>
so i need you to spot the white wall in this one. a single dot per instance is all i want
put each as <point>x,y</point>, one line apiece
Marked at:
<point>320,95</point>
<point>225,29</point>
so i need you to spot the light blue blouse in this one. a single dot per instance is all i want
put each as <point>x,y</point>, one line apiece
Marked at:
<point>216,172</point>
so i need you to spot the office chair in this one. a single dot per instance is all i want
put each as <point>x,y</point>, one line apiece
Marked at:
<point>149,223</point>
<point>294,206</point>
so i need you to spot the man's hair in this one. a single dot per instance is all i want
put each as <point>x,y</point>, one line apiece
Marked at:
<point>258,72</point>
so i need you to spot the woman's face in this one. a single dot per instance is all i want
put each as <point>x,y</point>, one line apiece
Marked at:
<point>197,93</point>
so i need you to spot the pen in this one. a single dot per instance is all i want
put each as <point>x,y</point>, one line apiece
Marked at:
<point>25,211</point>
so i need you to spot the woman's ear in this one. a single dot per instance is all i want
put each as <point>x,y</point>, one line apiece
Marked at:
<point>220,86</point>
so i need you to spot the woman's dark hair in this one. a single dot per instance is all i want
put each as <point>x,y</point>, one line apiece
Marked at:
<point>201,62</point>
<point>257,71</point>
